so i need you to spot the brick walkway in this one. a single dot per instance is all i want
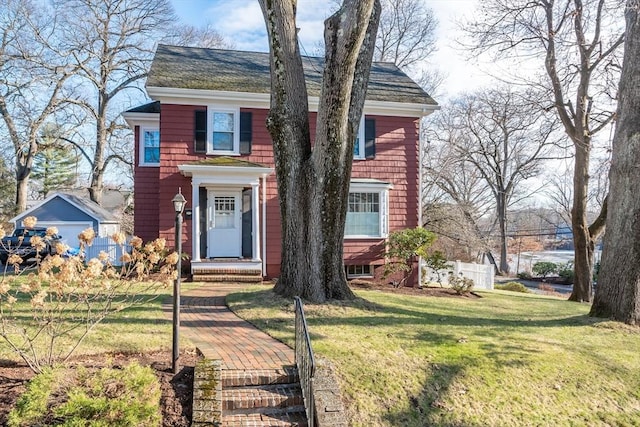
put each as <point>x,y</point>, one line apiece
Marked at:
<point>220,334</point>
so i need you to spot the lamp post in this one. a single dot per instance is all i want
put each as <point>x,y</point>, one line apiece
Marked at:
<point>178,206</point>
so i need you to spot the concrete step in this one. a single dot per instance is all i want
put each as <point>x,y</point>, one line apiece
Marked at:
<point>256,377</point>
<point>289,417</point>
<point>263,396</point>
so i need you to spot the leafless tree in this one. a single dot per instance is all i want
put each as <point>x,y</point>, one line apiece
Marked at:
<point>188,35</point>
<point>454,196</point>
<point>578,44</point>
<point>32,82</point>
<point>112,42</point>
<point>618,293</point>
<point>313,182</point>
<point>406,37</point>
<point>505,138</point>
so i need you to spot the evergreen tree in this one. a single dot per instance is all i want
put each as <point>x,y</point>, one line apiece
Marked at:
<point>54,168</point>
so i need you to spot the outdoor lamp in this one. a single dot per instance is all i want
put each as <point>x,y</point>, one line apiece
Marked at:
<point>179,202</point>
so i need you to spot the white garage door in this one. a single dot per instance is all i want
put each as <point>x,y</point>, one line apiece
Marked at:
<point>68,230</point>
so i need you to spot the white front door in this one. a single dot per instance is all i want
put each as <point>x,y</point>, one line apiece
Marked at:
<point>224,237</point>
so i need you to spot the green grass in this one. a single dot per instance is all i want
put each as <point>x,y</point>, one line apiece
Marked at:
<point>505,359</point>
<point>138,329</point>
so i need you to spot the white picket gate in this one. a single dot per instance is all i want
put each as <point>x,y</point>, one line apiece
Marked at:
<point>481,274</point>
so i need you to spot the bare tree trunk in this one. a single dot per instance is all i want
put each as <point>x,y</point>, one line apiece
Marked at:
<point>313,185</point>
<point>502,223</point>
<point>583,241</point>
<point>618,292</point>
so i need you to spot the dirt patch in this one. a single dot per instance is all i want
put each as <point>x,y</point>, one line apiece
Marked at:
<point>177,390</point>
<point>426,291</point>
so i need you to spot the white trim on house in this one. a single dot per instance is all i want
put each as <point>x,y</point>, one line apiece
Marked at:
<point>141,119</point>
<point>184,96</point>
<point>215,177</point>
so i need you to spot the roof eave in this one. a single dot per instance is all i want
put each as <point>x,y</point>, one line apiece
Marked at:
<point>172,95</point>
<point>136,119</point>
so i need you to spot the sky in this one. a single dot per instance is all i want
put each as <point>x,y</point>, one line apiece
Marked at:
<point>241,22</point>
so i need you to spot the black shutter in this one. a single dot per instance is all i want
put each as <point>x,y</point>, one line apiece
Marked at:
<point>369,138</point>
<point>245,132</point>
<point>200,137</point>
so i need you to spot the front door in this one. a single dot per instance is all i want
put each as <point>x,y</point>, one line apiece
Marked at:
<point>224,224</point>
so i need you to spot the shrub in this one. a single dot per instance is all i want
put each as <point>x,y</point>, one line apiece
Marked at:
<point>462,285</point>
<point>544,268</point>
<point>437,262</point>
<point>512,286</point>
<point>524,275</point>
<point>403,247</point>
<point>566,272</point>
<point>107,397</point>
<point>65,298</point>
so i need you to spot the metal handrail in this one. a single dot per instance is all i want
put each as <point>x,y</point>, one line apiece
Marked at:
<point>305,361</point>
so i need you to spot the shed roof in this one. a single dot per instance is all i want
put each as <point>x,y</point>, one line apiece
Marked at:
<point>240,71</point>
<point>89,207</point>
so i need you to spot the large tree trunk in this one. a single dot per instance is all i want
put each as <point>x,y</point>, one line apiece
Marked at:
<point>618,292</point>
<point>313,184</point>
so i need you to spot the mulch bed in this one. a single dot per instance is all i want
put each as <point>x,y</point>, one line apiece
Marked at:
<point>177,390</point>
<point>427,291</point>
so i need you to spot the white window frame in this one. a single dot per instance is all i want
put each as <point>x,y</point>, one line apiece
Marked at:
<point>142,129</point>
<point>360,154</point>
<point>359,275</point>
<point>373,186</point>
<point>211,109</point>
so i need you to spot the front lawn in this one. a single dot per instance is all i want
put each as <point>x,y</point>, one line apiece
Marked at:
<point>505,359</point>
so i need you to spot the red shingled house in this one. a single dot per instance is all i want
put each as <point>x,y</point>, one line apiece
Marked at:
<point>205,134</point>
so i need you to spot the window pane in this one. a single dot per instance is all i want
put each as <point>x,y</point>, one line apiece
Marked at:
<point>363,215</point>
<point>152,155</point>
<point>225,209</point>
<point>223,122</point>
<point>151,138</point>
<point>223,141</point>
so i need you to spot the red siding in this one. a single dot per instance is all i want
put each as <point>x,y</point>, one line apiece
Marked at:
<point>145,196</point>
<point>396,162</point>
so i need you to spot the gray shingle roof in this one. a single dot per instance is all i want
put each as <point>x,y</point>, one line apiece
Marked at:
<point>91,208</point>
<point>238,71</point>
<point>151,107</point>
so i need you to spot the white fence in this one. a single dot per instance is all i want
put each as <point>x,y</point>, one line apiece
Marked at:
<point>481,274</point>
<point>107,245</point>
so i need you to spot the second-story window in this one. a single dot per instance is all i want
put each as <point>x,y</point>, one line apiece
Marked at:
<point>224,136</point>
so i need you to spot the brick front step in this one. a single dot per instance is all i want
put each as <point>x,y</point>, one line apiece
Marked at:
<point>264,396</point>
<point>287,418</point>
<point>256,377</point>
<point>227,278</point>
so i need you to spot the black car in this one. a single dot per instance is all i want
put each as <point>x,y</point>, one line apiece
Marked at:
<point>19,243</point>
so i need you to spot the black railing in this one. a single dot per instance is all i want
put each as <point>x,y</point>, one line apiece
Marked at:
<point>305,362</point>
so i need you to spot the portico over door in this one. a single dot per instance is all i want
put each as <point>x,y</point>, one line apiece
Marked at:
<point>224,226</point>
